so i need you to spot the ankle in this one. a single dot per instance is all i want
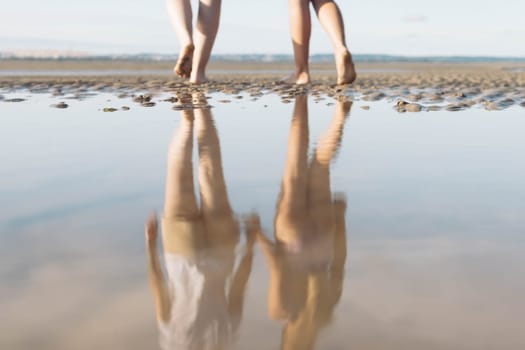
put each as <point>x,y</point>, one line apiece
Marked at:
<point>302,77</point>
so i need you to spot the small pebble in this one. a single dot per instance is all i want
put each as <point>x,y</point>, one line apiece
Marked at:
<point>413,107</point>
<point>15,100</point>
<point>375,96</point>
<point>125,108</point>
<point>60,105</point>
<point>224,101</point>
<point>142,98</point>
<point>455,107</point>
<point>492,106</point>
<point>366,108</point>
<point>147,104</point>
<point>171,99</point>
<point>109,109</point>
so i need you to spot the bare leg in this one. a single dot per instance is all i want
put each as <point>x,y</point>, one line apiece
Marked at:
<point>207,26</point>
<point>300,29</point>
<point>332,22</point>
<point>181,17</point>
<point>180,198</point>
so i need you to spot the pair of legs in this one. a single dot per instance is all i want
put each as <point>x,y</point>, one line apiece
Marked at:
<point>331,20</point>
<point>195,47</point>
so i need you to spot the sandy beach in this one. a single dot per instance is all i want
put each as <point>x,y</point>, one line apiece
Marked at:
<point>409,87</point>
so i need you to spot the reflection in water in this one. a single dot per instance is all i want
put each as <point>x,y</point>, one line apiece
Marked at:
<point>200,304</point>
<point>196,307</point>
<point>307,260</point>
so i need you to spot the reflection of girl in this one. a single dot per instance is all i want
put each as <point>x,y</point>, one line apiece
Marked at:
<point>307,259</point>
<point>200,305</point>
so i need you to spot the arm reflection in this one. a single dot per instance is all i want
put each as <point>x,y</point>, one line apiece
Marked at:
<point>307,260</point>
<point>199,305</point>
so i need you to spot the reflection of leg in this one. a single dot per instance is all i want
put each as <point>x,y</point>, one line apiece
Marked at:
<point>339,248</point>
<point>238,287</point>
<point>181,16</point>
<point>207,26</point>
<point>211,177</point>
<point>216,209</point>
<point>330,17</point>
<point>330,141</point>
<point>291,208</point>
<point>300,29</point>
<point>180,198</point>
<point>320,197</point>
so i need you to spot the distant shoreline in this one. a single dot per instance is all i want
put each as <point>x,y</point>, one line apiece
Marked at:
<point>258,58</point>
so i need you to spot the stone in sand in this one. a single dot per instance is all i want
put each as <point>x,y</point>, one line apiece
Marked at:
<point>455,107</point>
<point>413,107</point>
<point>171,99</point>
<point>60,105</point>
<point>507,102</point>
<point>109,109</point>
<point>366,108</point>
<point>492,106</point>
<point>147,104</point>
<point>142,98</point>
<point>414,97</point>
<point>404,106</point>
<point>125,108</point>
<point>15,100</point>
<point>374,96</point>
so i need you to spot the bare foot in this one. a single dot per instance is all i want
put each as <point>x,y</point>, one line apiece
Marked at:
<point>302,78</point>
<point>345,68</point>
<point>198,78</point>
<point>183,66</point>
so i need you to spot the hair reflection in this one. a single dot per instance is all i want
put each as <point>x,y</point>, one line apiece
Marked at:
<point>199,305</point>
<point>306,262</point>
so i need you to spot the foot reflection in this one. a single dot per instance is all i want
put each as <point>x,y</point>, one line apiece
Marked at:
<point>196,307</point>
<point>306,261</point>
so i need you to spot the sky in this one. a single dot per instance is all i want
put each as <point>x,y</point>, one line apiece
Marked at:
<point>402,27</point>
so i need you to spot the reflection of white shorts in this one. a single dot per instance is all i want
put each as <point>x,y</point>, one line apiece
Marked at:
<point>199,313</point>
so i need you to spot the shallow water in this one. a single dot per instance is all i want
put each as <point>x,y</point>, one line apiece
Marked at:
<point>378,230</point>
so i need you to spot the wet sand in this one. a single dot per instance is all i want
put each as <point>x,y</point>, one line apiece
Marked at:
<point>408,87</point>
